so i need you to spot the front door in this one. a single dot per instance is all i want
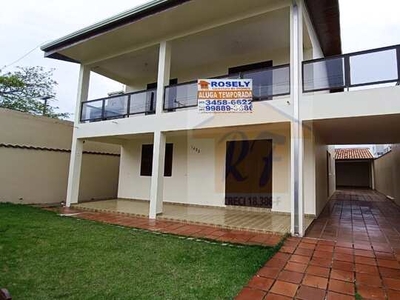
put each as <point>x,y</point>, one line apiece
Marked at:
<point>248,173</point>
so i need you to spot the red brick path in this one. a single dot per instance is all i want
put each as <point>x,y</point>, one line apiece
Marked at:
<point>184,229</point>
<point>319,269</point>
<point>355,247</point>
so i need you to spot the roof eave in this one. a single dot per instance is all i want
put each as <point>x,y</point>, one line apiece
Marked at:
<point>325,17</point>
<point>106,25</point>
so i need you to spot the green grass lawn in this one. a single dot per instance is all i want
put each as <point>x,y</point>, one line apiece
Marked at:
<point>44,256</point>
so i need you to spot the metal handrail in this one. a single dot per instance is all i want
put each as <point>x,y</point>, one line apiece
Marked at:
<point>346,72</point>
<point>127,100</point>
<point>239,75</point>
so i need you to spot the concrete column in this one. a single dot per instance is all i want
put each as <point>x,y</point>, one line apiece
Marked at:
<point>74,175</point>
<point>83,91</point>
<point>157,176</point>
<point>372,172</point>
<point>75,162</point>
<point>297,142</point>
<point>164,70</point>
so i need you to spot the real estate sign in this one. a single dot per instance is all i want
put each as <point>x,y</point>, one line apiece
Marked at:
<point>225,95</point>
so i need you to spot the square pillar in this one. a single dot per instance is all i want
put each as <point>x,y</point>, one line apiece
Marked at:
<point>83,91</point>
<point>164,70</point>
<point>297,143</point>
<point>75,162</point>
<point>157,176</point>
<point>372,172</point>
<point>74,174</point>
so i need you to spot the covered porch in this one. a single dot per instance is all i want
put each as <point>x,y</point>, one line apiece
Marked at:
<point>230,177</point>
<point>245,219</point>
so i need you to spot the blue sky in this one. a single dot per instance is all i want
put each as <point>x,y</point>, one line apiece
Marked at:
<point>25,24</point>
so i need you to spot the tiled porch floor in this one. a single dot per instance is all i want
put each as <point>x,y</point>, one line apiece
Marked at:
<point>239,219</point>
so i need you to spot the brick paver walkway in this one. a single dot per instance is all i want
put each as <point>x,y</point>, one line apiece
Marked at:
<point>184,229</point>
<point>359,216</point>
<point>353,248</point>
<point>320,269</point>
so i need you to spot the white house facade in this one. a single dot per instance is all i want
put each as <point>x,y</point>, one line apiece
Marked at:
<point>307,95</point>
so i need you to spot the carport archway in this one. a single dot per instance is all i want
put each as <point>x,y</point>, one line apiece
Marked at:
<point>354,168</point>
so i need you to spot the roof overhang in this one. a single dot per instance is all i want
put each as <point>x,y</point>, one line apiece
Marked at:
<point>354,160</point>
<point>324,15</point>
<point>124,18</point>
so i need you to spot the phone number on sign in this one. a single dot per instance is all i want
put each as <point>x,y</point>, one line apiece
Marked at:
<point>227,106</point>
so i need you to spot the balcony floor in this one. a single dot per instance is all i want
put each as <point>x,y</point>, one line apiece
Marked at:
<point>230,218</point>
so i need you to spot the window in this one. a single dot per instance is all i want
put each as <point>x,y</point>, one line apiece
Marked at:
<point>262,78</point>
<point>172,94</point>
<point>146,165</point>
<point>250,67</point>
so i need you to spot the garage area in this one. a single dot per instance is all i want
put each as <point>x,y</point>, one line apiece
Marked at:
<point>354,168</point>
<point>365,207</point>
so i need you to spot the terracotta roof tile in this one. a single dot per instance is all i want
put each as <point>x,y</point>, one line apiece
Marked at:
<point>353,153</point>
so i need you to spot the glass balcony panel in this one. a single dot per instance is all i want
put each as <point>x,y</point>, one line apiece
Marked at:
<point>92,110</point>
<point>374,67</point>
<point>269,82</point>
<point>281,81</point>
<point>324,74</point>
<point>262,83</point>
<point>116,107</point>
<point>143,102</point>
<point>179,96</point>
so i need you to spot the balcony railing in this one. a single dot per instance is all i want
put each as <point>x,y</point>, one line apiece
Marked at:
<point>371,67</point>
<point>120,106</point>
<point>267,83</point>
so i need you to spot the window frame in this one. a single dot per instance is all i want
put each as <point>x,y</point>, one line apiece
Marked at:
<point>146,160</point>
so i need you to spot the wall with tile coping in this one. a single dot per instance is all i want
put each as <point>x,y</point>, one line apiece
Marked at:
<point>39,174</point>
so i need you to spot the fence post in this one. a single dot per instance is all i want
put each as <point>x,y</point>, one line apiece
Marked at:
<point>347,77</point>
<point>128,109</point>
<point>103,107</point>
<point>398,64</point>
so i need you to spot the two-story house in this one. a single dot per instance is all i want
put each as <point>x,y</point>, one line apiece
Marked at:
<point>275,161</point>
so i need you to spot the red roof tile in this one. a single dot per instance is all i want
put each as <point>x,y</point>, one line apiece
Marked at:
<point>353,153</point>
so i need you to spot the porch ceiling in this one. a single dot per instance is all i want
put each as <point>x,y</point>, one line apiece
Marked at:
<point>137,28</point>
<point>382,129</point>
<point>267,33</point>
<point>161,19</point>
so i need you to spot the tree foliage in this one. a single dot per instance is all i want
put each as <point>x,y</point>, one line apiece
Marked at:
<point>25,90</point>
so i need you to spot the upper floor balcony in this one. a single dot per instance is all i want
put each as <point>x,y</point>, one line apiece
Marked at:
<point>159,51</point>
<point>342,73</point>
<point>268,83</point>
